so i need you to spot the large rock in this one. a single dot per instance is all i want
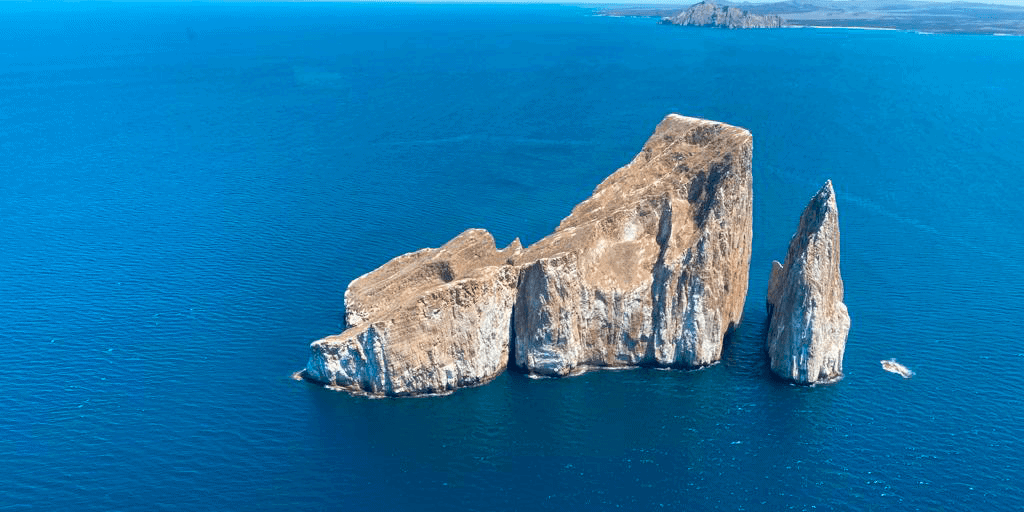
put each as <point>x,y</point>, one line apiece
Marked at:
<point>708,14</point>
<point>808,322</point>
<point>424,323</point>
<point>650,270</point>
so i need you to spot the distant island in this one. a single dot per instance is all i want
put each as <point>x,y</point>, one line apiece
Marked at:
<point>931,17</point>
<point>707,14</point>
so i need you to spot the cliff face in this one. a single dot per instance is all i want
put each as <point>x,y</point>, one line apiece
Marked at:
<point>707,14</point>
<point>650,270</point>
<point>808,322</point>
<point>426,322</point>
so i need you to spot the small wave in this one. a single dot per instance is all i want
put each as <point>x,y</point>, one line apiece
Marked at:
<point>871,205</point>
<point>315,77</point>
<point>580,370</point>
<point>921,226</point>
<point>488,138</point>
<point>846,28</point>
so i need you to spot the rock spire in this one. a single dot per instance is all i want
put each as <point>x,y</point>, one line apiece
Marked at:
<point>808,322</point>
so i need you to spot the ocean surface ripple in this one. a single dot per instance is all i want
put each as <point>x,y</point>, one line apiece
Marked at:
<point>188,188</point>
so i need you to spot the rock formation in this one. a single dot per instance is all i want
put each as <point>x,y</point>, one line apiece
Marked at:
<point>707,14</point>
<point>650,270</point>
<point>426,322</point>
<point>808,321</point>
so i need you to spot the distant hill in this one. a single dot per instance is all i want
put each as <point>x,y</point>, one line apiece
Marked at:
<point>951,17</point>
<point>708,14</point>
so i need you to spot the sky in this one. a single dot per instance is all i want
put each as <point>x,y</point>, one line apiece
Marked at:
<point>636,2</point>
<point>1018,3</point>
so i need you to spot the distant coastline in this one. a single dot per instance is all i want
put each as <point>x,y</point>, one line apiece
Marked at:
<point>854,28</point>
<point>922,17</point>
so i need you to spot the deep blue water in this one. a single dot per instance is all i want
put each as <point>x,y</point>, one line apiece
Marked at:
<point>187,189</point>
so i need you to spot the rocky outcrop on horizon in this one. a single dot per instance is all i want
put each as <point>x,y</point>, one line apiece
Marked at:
<point>708,14</point>
<point>651,270</point>
<point>918,16</point>
<point>808,322</point>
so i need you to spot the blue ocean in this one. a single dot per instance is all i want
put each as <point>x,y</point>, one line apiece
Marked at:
<point>186,190</point>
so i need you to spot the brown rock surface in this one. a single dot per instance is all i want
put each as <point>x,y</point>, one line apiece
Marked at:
<point>808,322</point>
<point>650,270</point>
<point>424,323</point>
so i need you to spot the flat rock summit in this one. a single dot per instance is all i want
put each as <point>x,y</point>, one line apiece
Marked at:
<point>650,270</point>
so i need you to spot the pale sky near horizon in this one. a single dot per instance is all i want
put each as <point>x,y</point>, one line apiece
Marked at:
<point>1018,3</point>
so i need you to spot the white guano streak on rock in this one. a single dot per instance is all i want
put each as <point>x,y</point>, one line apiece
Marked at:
<point>691,186</point>
<point>650,270</point>
<point>809,322</point>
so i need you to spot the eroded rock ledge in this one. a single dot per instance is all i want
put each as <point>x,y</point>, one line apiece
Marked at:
<point>808,322</point>
<point>650,270</point>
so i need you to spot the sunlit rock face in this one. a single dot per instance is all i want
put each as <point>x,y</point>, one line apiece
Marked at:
<point>426,322</point>
<point>808,322</point>
<point>652,269</point>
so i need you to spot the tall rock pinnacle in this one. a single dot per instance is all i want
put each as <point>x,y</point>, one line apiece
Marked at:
<point>808,322</point>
